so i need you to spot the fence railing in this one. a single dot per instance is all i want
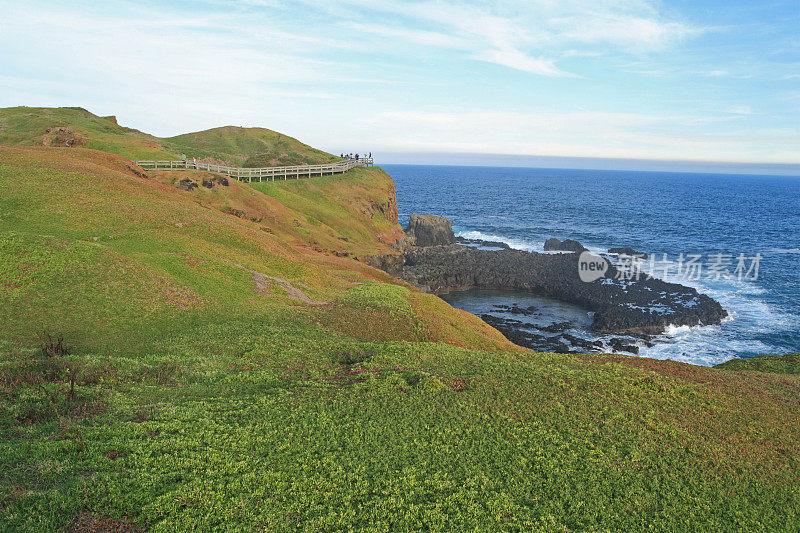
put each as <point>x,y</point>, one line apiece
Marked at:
<point>261,174</point>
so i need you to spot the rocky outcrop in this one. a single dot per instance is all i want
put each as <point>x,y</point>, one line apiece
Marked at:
<point>567,245</point>
<point>386,209</point>
<point>430,230</point>
<point>210,181</point>
<point>480,243</point>
<point>519,333</point>
<point>390,263</point>
<point>137,170</point>
<point>621,345</point>
<point>185,184</point>
<point>644,305</point>
<point>62,136</point>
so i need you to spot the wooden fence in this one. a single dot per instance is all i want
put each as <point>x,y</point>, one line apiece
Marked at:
<point>261,174</point>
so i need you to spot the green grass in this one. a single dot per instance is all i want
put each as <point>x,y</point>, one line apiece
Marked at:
<point>327,203</point>
<point>251,147</point>
<point>780,364</point>
<point>205,400</point>
<point>26,126</point>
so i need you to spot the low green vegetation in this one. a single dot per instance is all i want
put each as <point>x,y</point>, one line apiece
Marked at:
<point>779,364</point>
<point>250,147</point>
<point>220,359</point>
<point>36,126</point>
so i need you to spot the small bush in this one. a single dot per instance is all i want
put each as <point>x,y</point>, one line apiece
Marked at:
<point>354,355</point>
<point>53,348</point>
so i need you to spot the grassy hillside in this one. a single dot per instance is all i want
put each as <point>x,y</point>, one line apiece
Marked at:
<point>779,364</point>
<point>27,126</point>
<point>251,147</point>
<point>232,365</point>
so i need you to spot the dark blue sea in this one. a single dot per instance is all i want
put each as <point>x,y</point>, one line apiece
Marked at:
<point>714,216</point>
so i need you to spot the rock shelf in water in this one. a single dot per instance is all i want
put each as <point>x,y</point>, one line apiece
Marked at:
<point>644,305</point>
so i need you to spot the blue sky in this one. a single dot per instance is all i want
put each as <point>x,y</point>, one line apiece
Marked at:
<point>634,79</point>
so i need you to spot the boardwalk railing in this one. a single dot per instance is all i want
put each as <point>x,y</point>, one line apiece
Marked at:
<point>260,174</point>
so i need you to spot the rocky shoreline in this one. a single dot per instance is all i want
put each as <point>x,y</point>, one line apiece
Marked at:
<point>555,337</point>
<point>620,306</point>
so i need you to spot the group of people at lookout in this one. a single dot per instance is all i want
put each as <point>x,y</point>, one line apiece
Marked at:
<point>356,156</point>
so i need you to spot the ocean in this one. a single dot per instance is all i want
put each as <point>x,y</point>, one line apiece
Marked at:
<point>743,231</point>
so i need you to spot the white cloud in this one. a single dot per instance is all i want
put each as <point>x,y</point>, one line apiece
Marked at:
<point>526,35</point>
<point>419,37</point>
<point>513,58</point>
<point>740,110</point>
<point>335,70</point>
<point>574,134</point>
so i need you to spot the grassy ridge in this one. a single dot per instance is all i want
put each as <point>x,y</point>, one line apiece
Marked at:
<point>251,147</point>
<point>237,368</point>
<point>27,125</point>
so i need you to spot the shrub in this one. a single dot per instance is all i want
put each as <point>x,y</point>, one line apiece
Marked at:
<point>355,354</point>
<point>53,348</point>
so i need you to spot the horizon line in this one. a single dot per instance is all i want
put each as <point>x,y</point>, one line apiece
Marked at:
<point>586,163</point>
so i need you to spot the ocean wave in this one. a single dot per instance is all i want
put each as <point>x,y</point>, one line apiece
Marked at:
<point>674,331</point>
<point>742,333</point>
<point>517,244</point>
<point>704,348</point>
<point>785,250</point>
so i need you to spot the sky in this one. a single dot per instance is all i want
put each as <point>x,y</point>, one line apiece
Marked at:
<point>563,82</point>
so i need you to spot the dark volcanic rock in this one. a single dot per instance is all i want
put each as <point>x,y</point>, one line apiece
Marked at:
<point>186,184</point>
<point>390,263</point>
<point>567,245</point>
<point>516,310</point>
<point>558,327</point>
<point>621,345</point>
<point>514,330</point>
<point>627,251</point>
<point>482,243</point>
<point>511,329</point>
<point>209,182</point>
<point>430,230</point>
<point>643,306</point>
<point>589,346</point>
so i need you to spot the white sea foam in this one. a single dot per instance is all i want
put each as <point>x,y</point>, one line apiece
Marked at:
<point>674,331</point>
<point>748,317</point>
<point>785,250</point>
<point>517,244</point>
<point>748,314</point>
